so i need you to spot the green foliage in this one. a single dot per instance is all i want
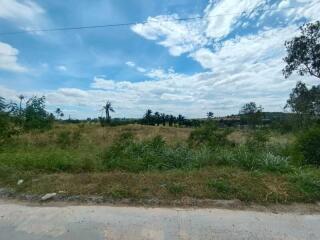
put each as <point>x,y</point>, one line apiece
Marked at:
<point>154,154</point>
<point>221,186</point>
<point>308,145</point>
<point>303,52</point>
<point>257,140</point>
<point>68,138</point>
<point>249,159</point>
<point>251,114</point>
<point>36,116</point>
<point>307,183</point>
<point>208,134</point>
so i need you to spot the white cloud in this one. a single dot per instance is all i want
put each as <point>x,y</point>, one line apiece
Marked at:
<point>131,64</point>
<point>141,69</point>
<point>101,83</point>
<point>25,13</point>
<point>62,68</point>
<point>233,54</point>
<point>223,15</point>
<point>179,37</point>
<point>9,58</point>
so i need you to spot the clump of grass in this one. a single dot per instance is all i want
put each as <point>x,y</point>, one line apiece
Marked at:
<point>222,186</point>
<point>154,154</point>
<point>307,183</point>
<point>68,138</point>
<point>249,159</point>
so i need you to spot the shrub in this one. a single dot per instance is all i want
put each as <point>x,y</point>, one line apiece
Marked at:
<point>208,134</point>
<point>308,145</point>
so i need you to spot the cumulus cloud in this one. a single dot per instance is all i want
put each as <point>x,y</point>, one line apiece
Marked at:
<point>179,37</point>
<point>221,16</point>
<point>25,13</point>
<point>9,58</point>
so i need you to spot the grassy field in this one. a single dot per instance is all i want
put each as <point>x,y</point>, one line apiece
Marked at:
<point>148,162</point>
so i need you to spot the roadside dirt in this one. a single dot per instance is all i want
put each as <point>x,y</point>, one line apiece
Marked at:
<point>7,195</point>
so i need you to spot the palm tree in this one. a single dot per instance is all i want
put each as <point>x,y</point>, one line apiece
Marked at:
<point>21,97</point>
<point>108,108</point>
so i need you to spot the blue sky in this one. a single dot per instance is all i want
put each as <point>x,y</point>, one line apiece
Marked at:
<point>217,63</point>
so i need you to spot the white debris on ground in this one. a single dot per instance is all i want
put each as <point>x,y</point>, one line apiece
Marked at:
<point>48,196</point>
<point>20,182</point>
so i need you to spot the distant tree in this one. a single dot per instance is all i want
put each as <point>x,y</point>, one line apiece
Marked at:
<point>157,118</point>
<point>209,115</point>
<point>171,120</point>
<point>181,120</point>
<point>21,98</point>
<point>148,118</point>
<point>59,113</point>
<point>108,108</point>
<point>36,116</point>
<point>163,118</point>
<point>304,102</point>
<point>303,52</point>
<point>300,100</point>
<point>251,113</point>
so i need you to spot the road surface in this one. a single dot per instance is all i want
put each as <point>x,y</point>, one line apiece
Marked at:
<point>21,222</point>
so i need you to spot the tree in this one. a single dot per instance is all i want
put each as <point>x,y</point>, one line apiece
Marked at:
<point>157,118</point>
<point>148,118</point>
<point>303,52</point>
<point>304,102</point>
<point>36,117</point>
<point>108,108</point>
<point>171,120</point>
<point>181,120</point>
<point>163,118</point>
<point>300,100</point>
<point>59,113</point>
<point>251,113</point>
<point>209,115</point>
<point>21,97</point>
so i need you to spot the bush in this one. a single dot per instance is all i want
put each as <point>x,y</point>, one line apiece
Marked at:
<point>208,134</point>
<point>308,145</point>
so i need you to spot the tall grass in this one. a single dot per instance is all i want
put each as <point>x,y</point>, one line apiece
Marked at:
<point>132,155</point>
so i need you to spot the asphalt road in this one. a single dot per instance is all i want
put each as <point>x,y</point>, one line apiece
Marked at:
<point>20,222</point>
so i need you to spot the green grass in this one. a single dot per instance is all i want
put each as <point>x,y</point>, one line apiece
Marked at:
<point>133,164</point>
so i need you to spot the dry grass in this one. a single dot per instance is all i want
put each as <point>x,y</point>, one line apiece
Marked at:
<point>93,134</point>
